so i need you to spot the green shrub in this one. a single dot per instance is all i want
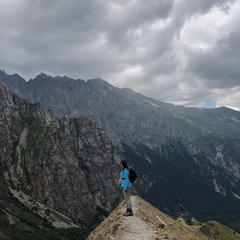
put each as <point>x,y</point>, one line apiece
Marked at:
<point>115,227</point>
<point>188,221</point>
<point>216,234</point>
<point>205,230</point>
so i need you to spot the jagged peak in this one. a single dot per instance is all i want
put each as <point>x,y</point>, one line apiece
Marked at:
<point>98,81</point>
<point>42,75</point>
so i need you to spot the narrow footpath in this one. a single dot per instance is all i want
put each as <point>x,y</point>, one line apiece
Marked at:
<point>143,225</point>
<point>148,223</point>
<point>134,227</point>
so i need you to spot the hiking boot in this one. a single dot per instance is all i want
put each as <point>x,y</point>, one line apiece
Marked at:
<point>128,213</point>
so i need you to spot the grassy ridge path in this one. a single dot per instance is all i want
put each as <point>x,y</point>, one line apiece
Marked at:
<point>148,223</point>
<point>134,227</point>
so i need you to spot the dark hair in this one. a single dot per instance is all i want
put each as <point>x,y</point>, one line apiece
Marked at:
<point>124,163</point>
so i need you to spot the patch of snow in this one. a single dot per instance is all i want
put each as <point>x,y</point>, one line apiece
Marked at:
<point>218,188</point>
<point>235,195</point>
<point>148,159</point>
<point>153,104</point>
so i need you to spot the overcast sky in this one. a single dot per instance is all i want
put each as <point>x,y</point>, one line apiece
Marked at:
<point>186,52</point>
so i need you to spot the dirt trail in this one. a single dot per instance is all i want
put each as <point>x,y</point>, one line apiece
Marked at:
<point>134,227</point>
<point>148,223</point>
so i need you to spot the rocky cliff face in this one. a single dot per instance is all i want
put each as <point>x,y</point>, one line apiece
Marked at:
<point>187,158</point>
<point>69,164</point>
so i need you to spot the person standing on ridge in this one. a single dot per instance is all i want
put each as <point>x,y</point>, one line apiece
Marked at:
<point>126,186</point>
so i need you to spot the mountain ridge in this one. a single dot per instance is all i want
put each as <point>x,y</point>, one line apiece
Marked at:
<point>149,223</point>
<point>173,148</point>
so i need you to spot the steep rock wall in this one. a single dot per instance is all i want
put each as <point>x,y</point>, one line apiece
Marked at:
<point>69,164</point>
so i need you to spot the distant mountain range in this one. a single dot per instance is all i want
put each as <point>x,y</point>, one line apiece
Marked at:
<point>187,159</point>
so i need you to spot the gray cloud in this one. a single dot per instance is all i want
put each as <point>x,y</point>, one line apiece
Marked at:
<point>149,46</point>
<point>219,66</point>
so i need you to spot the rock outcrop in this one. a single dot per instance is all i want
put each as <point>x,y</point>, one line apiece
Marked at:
<point>68,164</point>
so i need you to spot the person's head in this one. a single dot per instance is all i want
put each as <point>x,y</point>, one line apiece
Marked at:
<point>124,163</point>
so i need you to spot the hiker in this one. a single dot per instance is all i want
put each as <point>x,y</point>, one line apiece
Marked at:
<point>126,186</point>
